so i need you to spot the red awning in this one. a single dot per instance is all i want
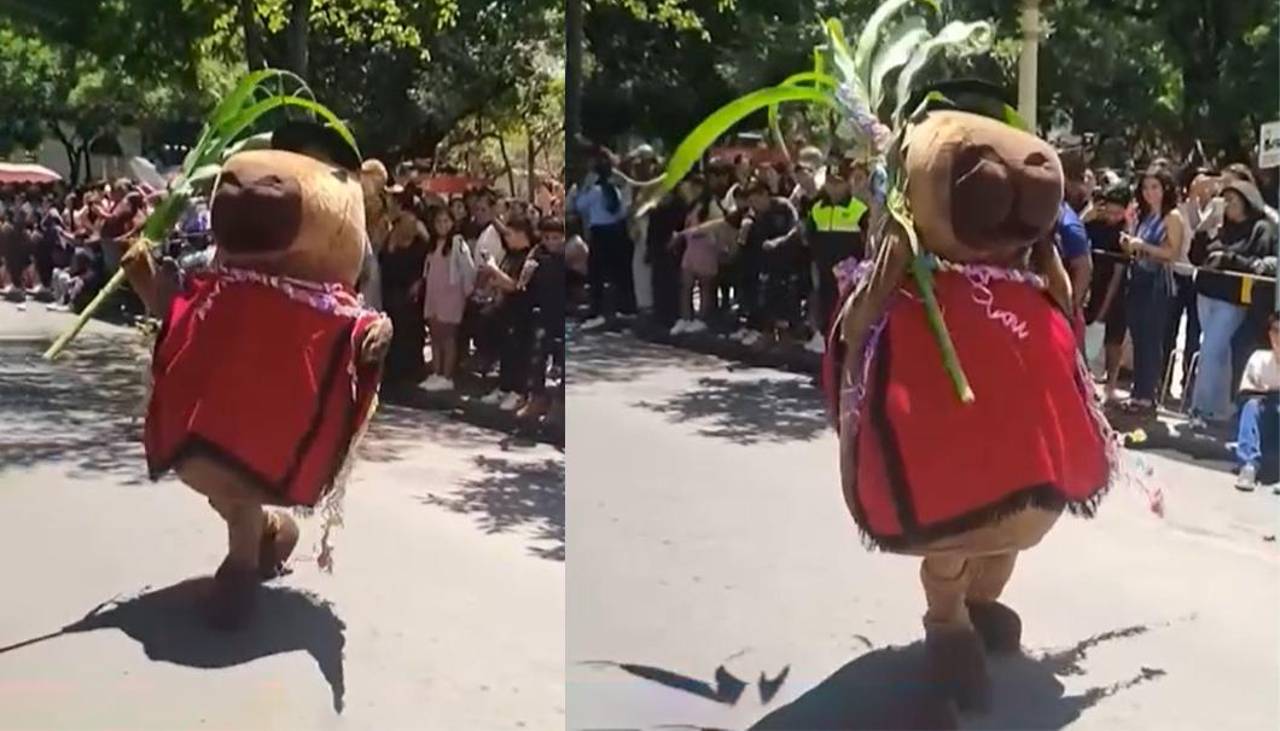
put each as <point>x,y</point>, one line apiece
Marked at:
<point>448,184</point>
<point>26,174</point>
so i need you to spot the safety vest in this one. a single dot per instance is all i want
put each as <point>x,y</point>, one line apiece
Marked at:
<point>837,218</point>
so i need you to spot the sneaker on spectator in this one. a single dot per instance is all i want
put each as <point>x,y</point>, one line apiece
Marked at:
<point>437,383</point>
<point>695,326</point>
<point>751,338</point>
<point>680,327</point>
<point>1248,478</point>
<point>595,322</point>
<point>740,334</point>
<point>510,402</point>
<point>493,398</point>
<point>817,344</point>
<point>22,306</point>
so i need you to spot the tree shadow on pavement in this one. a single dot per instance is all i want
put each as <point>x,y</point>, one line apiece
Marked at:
<point>749,411</point>
<point>887,690</point>
<point>83,410</point>
<point>169,624</point>
<point>397,430</point>
<point>514,495</point>
<point>614,358</point>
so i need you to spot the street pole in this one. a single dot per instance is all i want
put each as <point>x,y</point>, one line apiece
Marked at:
<point>1029,61</point>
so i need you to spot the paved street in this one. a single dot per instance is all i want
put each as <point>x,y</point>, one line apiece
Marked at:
<point>709,530</point>
<point>445,609</point>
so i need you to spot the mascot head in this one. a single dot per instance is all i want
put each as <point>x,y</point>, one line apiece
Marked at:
<point>294,210</point>
<point>979,188</point>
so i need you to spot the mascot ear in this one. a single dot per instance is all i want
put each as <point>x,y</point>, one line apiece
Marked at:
<point>316,140</point>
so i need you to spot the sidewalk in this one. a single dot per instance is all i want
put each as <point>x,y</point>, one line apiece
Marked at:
<point>1168,432</point>
<point>37,323</point>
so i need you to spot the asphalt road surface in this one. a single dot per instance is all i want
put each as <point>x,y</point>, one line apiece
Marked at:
<point>445,609</point>
<point>711,546</point>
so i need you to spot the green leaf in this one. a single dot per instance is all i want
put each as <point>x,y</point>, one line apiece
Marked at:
<point>840,53</point>
<point>817,78</point>
<point>1013,119</point>
<point>691,149</point>
<point>971,37</point>
<point>896,50</point>
<point>252,142</point>
<point>232,129</point>
<point>869,39</point>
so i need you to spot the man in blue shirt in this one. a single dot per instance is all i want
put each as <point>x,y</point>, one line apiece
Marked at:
<point>1073,245</point>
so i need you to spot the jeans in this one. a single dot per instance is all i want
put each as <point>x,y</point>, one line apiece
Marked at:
<point>1256,442</point>
<point>1147,308</point>
<point>1219,321</point>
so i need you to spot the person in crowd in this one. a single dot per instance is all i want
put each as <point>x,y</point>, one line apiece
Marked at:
<point>483,231</point>
<point>15,254</point>
<point>1073,241</point>
<point>663,250</point>
<point>1202,211</point>
<point>1106,304</point>
<point>700,246</point>
<point>768,265</point>
<point>605,215</point>
<point>449,277</point>
<point>458,209</point>
<point>512,315</point>
<point>1243,240</point>
<point>1240,172</point>
<point>1153,245</point>
<point>741,170</point>
<point>1079,182</point>
<point>1257,441</point>
<point>401,261</point>
<point>834,232</point>
<point>576,256</point>
<point>544,277</point>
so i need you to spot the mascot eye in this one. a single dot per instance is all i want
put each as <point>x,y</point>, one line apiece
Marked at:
<point>342,175</point>
<point>1036,159</point>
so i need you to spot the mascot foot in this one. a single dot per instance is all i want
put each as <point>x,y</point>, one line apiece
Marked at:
<point>958,663</point>
<point>231,603</point>
<point>278,539</point>
<point>999,626</point>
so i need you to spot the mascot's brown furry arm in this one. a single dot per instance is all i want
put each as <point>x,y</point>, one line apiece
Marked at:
<point>267,366</point>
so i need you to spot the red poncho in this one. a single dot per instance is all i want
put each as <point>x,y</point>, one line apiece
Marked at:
<point>917,464</point>
<point>262,374</point>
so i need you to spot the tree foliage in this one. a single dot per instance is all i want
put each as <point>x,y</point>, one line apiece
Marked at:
<point>1160,73</point>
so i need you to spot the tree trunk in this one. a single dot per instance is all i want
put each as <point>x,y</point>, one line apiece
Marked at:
<point>531,161</point>
<point>574,164</point>
<point>506,164</point>
<point>299,32</point>
<point>252,37</point>
<point>88,159</point>
<point>73,154</point>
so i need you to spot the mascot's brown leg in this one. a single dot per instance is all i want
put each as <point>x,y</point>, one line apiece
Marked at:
<point>957,661</point>
<point>999,626</point>
<point>258,541</point>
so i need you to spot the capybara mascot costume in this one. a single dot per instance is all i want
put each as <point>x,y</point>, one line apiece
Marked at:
<point>967,420</point>
<point>966,478</point>
<point>266,366</point>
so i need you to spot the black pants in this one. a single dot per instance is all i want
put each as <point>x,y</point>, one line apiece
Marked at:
<point>665,277</point>
<point>609,266</point>
<point>481,328</point>
<point>750,270</point>
<point>826,254</point>
<point>516,326</point>
<point>548,346</point>
<point>1184,300</point>
<point>784,278</point>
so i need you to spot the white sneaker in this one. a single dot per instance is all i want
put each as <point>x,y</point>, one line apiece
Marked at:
<point>740,334</point>
<point>511,402</point>
<point>751,338</point>
<point>22,307</point>
<point>1248,479</point>
<point>696,326</point>
<point>437,383</point>
<point>594,323</point>
<point>817,344</point>
<point>680,327</point>
<point>493,398</point>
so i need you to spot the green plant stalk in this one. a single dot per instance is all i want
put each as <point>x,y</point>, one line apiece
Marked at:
<point>923,274</point>
<point>161,220</point>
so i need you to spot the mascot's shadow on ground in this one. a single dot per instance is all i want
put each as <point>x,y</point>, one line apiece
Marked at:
<point>168,626</point>
<point>889,690</point>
